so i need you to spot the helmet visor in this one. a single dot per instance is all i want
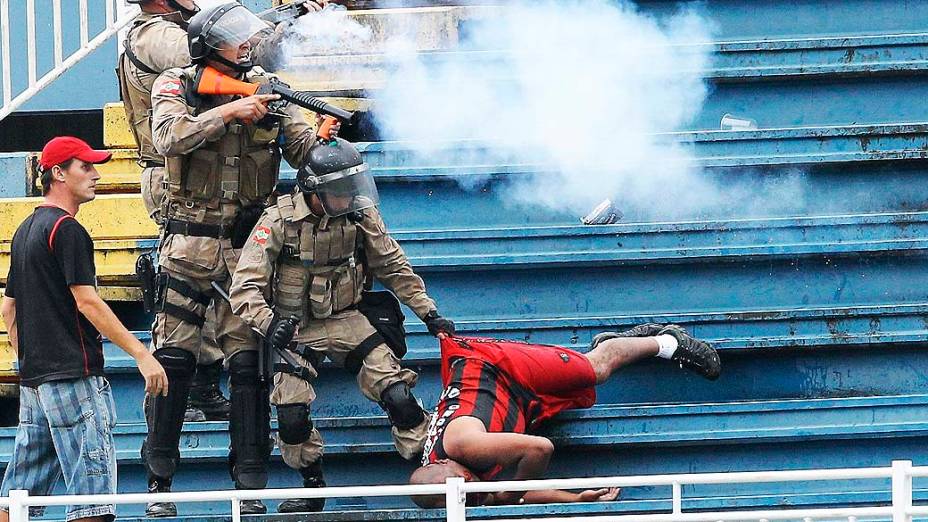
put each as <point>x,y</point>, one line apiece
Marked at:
<point>232,29</point>
<point>347,190</point>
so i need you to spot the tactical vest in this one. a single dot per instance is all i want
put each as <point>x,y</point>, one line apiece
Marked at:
<point>318,263</point>
<point>240,167</point>
<point>136,94</point>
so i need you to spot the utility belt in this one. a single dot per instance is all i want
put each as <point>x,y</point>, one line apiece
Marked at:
<point>190,228</point>
<point>151,164</point>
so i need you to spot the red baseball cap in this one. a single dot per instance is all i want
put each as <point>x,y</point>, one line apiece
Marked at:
<point>63,148</point>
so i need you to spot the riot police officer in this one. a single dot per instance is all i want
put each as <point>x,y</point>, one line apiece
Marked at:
<point>221,162</point>
<point>157,41</point>
<point>312,252</point>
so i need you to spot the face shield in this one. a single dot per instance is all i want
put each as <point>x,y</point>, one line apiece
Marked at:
<point>347,190</point>
<point>232,29</point>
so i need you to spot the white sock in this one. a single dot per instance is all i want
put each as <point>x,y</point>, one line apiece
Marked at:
<point>666,346</point>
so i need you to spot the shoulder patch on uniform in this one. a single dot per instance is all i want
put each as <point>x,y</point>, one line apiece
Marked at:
<point>261,235</point>
<point>170,87</point>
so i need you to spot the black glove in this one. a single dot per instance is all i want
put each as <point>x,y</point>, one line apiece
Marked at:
<point>436,323</point>
<point>281,331</point>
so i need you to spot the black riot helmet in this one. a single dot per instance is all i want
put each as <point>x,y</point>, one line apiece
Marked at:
<point>185,12</point>
<point>336,173</point>
<point>222,27</point>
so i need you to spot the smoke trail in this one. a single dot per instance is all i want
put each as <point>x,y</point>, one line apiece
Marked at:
<point>579,87</point>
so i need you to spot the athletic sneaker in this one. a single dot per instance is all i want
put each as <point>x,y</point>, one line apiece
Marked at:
<point>642,330</point>
<point>693,354</point>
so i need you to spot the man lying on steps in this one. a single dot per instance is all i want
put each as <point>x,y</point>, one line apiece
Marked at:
<point>497,392</point>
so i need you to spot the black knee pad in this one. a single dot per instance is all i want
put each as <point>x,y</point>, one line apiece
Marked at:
<point>243,368</point>
<point>176,362</point>
<point>401,406</point>
<point>294,424</point>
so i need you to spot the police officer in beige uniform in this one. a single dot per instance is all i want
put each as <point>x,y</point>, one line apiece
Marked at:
<point>221,163</point>
<point>157,41</point>
<point>307,258</point>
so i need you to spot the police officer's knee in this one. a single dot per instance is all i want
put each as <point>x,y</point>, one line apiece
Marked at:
<point>243,368</point>
<point>401,406</point>
<point>176,362</point>
<point>294,423</point>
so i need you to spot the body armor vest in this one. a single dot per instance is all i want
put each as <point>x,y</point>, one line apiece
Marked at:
<point>135,85</point>
<point>240,167</point>
<point>319,264</point>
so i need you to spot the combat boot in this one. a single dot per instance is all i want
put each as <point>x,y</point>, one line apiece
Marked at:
<point>693,354</point>
<point>312,478</point>
<point>642,330</point>
<point>192,414</point>
<point>253,507</point>
<point>160,509</point>
<point>205,394</point>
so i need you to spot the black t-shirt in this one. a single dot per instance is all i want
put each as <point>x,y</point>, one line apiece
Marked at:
<point>50,252</point>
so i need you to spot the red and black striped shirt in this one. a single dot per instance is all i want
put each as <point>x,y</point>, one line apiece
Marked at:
<point>479,389</point>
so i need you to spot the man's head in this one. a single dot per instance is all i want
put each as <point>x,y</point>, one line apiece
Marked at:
<point>439,472</point>
<point>68,171</point>
<point>222,37</point>
<point>185,8</point>
<point>337,179</point>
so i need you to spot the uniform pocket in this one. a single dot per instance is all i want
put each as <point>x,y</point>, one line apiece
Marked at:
<point>320,296</point>
<point>192,251</point>
<point>203,171</point>
<point>259,169</point>
<point>347,288</point>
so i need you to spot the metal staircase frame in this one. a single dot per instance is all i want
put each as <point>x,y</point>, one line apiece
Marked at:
<point>118,15</point>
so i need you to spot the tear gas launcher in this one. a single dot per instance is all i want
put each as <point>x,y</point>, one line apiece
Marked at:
<point>209,81</point>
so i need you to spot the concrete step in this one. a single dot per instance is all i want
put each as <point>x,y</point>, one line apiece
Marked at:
<point>472,163</point>
<point>848,62</point>
<point>548,247</point>
<point>766,354</point>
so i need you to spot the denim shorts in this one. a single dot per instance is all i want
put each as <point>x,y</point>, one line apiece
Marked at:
<point>65,430</point>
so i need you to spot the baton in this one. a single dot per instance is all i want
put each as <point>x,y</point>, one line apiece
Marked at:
<point>284,354</point>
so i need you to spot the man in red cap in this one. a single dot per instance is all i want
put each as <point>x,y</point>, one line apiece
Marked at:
<point>54,318</point>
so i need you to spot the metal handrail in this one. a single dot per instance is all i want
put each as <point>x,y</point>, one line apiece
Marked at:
<point>455,491</point>
<point>62,63</point>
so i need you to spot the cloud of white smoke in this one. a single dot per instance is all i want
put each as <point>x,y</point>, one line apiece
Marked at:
<point>581,88</point>
<point>588,92</point>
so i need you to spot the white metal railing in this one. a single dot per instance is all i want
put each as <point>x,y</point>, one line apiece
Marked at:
<point>117,15</point>
<point>455,490</point>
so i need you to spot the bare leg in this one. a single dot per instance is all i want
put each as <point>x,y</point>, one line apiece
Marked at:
<point>612,354</point>
<point>4,516</point>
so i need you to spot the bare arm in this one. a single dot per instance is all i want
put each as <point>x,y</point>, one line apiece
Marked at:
<point>8,311</point>
<point>467,442</point>
<point>99,313</point>
<point>549,496</point>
